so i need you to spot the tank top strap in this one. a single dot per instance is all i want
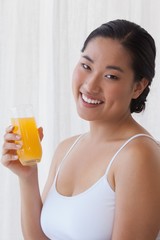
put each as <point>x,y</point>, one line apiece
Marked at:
<point>67,153</point>
<point>123,145</point>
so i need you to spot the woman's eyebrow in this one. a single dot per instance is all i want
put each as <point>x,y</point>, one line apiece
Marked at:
<point>88,58</point>
<point>115,68</point>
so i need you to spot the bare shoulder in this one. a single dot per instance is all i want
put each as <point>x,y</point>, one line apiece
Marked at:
<point>139,159</point>
<point>137,181</point>
<point>59,154</point>
<point>142,150</point>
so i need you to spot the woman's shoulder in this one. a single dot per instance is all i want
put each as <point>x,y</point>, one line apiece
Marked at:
<point>138,166</point>
<point>141,154</point>
<point>142,144</point>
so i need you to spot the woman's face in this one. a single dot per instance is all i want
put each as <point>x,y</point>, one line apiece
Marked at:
<point>103,81</point>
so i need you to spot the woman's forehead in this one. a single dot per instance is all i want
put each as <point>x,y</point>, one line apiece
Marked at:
<point>108,50</point>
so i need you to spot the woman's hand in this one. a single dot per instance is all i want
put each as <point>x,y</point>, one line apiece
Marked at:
<point>9,153</point>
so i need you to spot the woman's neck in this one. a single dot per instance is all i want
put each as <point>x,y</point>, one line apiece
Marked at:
<point>104,131</point>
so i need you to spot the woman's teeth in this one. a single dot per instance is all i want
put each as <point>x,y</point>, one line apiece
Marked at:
<point>92,101</point>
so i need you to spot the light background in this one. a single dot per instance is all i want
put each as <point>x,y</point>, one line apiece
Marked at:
<point>40,42</point>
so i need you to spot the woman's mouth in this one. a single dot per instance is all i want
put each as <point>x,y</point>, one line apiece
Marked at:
<point>90,100</point>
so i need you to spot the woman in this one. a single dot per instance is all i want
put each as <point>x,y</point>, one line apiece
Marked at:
<point>104,184</point>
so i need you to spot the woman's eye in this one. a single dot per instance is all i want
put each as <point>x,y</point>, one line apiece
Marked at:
<point>85,66</point>
<point>110,76</point>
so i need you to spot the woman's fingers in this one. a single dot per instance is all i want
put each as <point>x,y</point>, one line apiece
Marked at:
<point>10,158</point>
<point>7,158</point>
<point>9,128</point>
<point>11,137</point>
<point>7,146</point>
<point>9,152</point>
<point>10,147</point>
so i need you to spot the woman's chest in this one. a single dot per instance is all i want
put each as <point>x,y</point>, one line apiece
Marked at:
<point>83,168</point>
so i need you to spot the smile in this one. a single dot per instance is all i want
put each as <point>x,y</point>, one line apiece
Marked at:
<point>90,101</point>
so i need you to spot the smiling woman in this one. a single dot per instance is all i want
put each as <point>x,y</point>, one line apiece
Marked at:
<point>94,178</point>
<point>141,54</point>
<point>108,78</point>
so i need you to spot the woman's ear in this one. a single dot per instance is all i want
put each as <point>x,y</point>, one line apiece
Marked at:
<point>139,87</point>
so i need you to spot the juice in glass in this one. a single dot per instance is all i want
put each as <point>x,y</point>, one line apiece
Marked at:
<point>31,151</point>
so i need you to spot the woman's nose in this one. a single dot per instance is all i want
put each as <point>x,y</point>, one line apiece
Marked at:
<point>92,84</point>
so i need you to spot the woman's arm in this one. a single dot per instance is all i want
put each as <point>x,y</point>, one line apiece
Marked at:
<point>137,180</point>
<point>31,206</point>
<point>31,203</point>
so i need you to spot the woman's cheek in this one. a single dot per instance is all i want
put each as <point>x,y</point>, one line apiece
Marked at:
<point>75,83</point>
<point>77,79</point>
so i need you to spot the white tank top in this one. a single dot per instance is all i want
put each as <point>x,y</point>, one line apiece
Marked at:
<point>85,216</point>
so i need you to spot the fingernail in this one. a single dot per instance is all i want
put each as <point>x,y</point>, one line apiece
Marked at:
<point>18,146</point>
<point>18,137</point>
<point>15,157</point>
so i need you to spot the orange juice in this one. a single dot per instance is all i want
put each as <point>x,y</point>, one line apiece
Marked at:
<point>31,151</point>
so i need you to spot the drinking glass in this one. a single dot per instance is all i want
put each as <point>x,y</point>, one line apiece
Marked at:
<point>25,125</point>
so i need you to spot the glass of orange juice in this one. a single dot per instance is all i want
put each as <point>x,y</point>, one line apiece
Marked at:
<point>24,124</point>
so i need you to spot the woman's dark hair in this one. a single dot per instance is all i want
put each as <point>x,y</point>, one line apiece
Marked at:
<point>141,46</point>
